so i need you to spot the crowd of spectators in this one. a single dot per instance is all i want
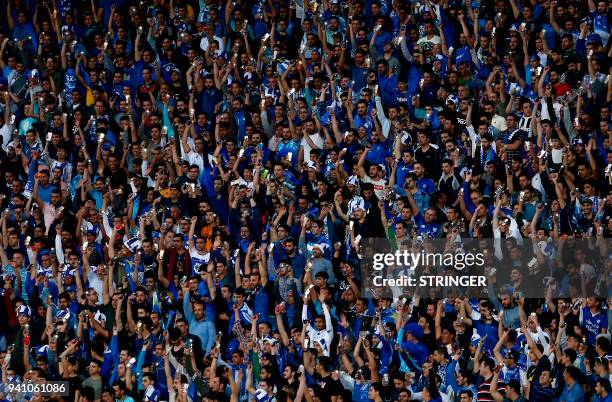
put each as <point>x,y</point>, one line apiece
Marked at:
<point>188,188</point>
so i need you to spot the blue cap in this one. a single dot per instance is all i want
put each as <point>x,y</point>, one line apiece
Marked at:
<point>415,329</point>
<point>42,350</point>
<point>594,38</point>
<point>62,314</point>
<point>24,310</point>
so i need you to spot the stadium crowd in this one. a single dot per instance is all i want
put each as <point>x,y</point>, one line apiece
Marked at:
<point>188,189</point>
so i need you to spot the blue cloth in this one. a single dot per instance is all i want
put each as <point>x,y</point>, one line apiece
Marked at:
<point>203,329</point>
<point>572,394</point>
<point>431,229</point>
<point>594,323</point>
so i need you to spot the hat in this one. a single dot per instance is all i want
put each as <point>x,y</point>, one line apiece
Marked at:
<point>45,272</point>
<point>99,316</point>
<point>71,288</point>
<point>62,314</point>
<point>41,350</point>
<point>311,165</point>
<point>452,99</point>
<point>132,244</point>
<point>415,329</point>
<point>512,354</point>
<point>24,310</point>
<point>534,57</point>
<point>475,339</point>
<point>320,246</point>
<point>261,395</point>
<point>323,344</point>
<point>270,340</point>
<point>353,181</point>
<point>8,275</point>
<point>594,38</point>
<point>356,203</point>
<point>239,182</point>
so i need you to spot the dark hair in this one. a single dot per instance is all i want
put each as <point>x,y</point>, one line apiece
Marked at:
<point>120,384</point>
<point>603,343</point>
<point>150,376</point>
<point>573,372</point>
<point>376,386</point>
<point>604,382</point>
<point>325,362</point>
<point>88,393</point>
<point>488,362</point>
<point>515,385</point>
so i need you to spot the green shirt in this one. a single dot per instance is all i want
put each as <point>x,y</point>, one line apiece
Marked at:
<point>95,384</point>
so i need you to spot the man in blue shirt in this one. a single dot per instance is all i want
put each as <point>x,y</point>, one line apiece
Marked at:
<point>572,391</point>
<point>198,324</point>
<point>593,319</point>
<point>602,391</point>
<point>420,197</point>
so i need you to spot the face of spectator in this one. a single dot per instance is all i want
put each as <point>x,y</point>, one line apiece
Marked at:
<point>93,369</point>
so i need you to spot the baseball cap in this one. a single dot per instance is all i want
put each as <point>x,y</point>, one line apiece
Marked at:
<point>414,329</point>
<point>24,310</point>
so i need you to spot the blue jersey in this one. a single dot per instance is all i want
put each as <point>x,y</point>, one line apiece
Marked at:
<point>593,323</point>
<point>429,229</point>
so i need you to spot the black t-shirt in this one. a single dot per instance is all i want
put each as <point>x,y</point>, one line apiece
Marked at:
<point>329,387</point>
<point>429,160</point>
<point>74,383</point>
<point>543,365</point>
<point>343,283</point>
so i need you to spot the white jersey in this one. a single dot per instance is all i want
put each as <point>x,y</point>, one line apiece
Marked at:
<point>198,259</point>
<point>323,337</point>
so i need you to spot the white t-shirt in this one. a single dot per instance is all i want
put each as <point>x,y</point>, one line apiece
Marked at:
<point>316,139</point>
<point>379,186</point>
<point>95,282</point>
<point>198,259</point>
<point>204,43</point>
<point>428,43</point>
<point>195,158</point>
<point>5,132</point>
